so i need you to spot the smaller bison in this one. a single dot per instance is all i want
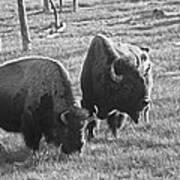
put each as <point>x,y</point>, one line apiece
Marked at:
<point>36,100</point>
<point>116,77</point>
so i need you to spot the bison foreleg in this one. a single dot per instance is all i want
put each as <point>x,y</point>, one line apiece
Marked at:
<point>90,128</point>
<point>112,122</point>
<point>31,130</point>
<point>89,106</point>
<point>115,120</point>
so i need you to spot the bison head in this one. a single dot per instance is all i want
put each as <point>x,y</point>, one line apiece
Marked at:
<point>69,131</point>
<point>131,89</point>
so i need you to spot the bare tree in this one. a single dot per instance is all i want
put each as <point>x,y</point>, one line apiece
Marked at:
<point>46,6</point>
<point>60,5</point>
<point>56,17</point>
<point>75,5</point>
<point>0,44</point>
<point>23,25</point>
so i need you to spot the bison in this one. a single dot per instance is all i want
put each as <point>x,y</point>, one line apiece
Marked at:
<point>36,100</point>
<point>116,78</point>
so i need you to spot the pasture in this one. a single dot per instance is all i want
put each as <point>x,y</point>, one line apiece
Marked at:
<point>141,152</point>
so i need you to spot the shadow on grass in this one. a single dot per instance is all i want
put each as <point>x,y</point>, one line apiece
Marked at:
<point>136,140</point>
<point>10,156</point>
<point>6,18</point>
<point>156,25</point>
<point>164,19</point>
<point>171,3</point>
<point>11,160</point>
<point>23,159</point>
<point>35,12</point>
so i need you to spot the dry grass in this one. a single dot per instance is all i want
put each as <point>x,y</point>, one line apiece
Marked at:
<point>147,152</point>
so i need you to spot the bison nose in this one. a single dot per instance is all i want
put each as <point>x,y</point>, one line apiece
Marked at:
<point>69,150</point>
<point>79,147</point>
<point>135,116</point>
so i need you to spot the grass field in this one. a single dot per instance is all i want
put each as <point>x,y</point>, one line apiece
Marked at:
<point>145,153</point>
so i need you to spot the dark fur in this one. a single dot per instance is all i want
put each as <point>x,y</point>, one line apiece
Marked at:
<point>99,89</point>
<point>115,121</point>
<point>90,129</point>
<point>34,91</point>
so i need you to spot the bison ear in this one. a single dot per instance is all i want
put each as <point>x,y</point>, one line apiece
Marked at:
<point>145,49</point>
<point>63,117</point>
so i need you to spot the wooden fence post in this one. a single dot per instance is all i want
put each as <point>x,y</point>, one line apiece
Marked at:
<point>46,7</point>
<point>75,5</point>
<point>60,5</point>
<point>0,45</point>
<point>23,25</point>
<point>56,17</point>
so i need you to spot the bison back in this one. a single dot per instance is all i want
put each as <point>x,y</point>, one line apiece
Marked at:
<point>24,81</point>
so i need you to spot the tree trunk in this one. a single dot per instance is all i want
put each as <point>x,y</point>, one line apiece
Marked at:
<point>75,5</point>
<point>60,5</point>
<point>23,25</point>
<point>46,7</point>
<point>56,17</point>
<point>0,45</point>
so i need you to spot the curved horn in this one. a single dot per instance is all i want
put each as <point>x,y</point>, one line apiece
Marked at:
<point>138,60</point>
<point>114,111</point>
<point>63,117</point>
<point>114,76</point>
<point>95,111</point>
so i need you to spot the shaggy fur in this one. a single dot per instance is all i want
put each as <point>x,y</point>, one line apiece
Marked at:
<point>115,120</point>
<point>34,91</point>
<point>99,89</point>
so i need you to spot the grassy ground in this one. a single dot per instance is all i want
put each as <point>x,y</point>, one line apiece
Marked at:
<point>143,153</point>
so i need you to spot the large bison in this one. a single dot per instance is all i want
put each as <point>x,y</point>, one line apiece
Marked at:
<point>116,78</point>
<point>36,100</point>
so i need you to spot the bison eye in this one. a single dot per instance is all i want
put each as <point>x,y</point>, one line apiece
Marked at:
<point>143,57</point>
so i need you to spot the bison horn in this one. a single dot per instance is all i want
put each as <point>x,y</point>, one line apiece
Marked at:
<point>95,111</point>
<point>114,76</point>
<point>113,112</point>
<point>63,117</point>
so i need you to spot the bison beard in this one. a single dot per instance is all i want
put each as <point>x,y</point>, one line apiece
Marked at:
<point>36,100</point>
<point>114,78</point>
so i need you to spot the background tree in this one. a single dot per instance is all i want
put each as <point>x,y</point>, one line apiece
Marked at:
<point>23,25</point>
<point>56,16</point>
<point>46,6</point>
<point>60,5</point>
<point>75,5</point>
